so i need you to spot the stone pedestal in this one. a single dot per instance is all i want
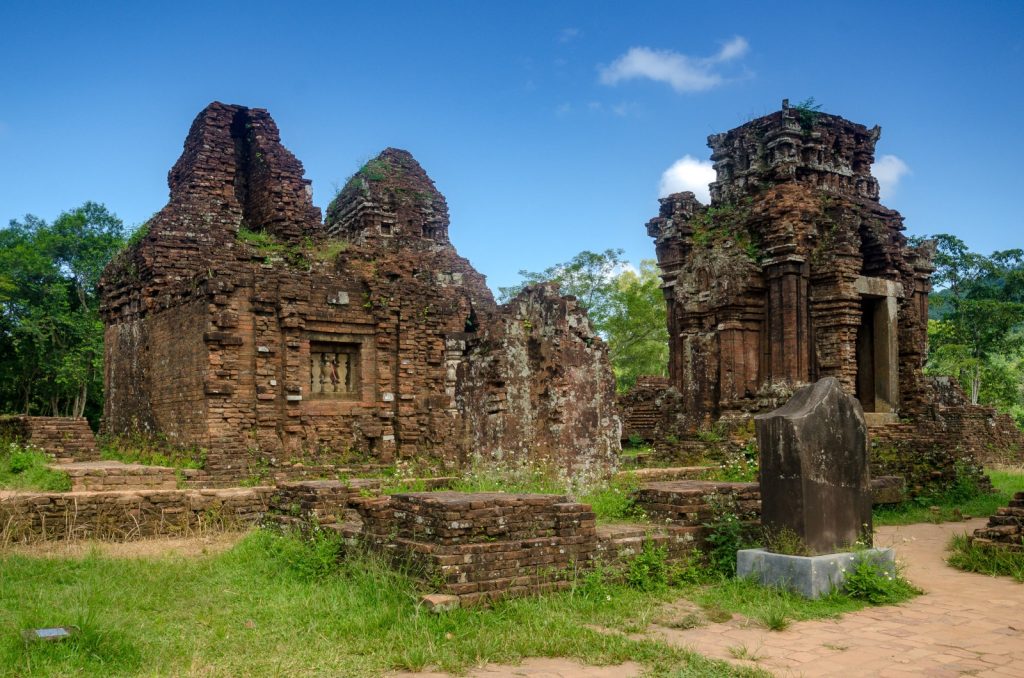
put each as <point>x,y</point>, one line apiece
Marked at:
<point>810,576</point>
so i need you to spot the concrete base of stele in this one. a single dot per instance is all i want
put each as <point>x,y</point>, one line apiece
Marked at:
<point>810,576</point>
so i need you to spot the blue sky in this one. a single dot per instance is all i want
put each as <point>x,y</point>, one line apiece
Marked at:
<point>548,126</point>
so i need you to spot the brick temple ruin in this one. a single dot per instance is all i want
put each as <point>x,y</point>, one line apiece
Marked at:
<point>244,325</point>
<point>794,272</point>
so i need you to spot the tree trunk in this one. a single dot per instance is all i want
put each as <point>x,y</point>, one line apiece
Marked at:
<point>80,399</point>
<point>975,385</point>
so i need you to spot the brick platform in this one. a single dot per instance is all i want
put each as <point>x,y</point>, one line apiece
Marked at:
<point>99,476</point>
<point>123,516</point>
<point>483,546</point>
<point>320,502</point>
<point>688,503</point>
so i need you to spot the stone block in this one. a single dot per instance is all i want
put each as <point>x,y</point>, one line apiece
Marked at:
<point>439,602</point>
<point>810,576</point>
<point>815,480</point>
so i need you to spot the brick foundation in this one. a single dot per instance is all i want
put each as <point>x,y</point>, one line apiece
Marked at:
<point>483,546</point>
<point>123,516</point>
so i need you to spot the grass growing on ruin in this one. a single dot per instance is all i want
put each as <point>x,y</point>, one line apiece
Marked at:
<point>150,451</point>
<point>608,497</point>
<point>956,504</point>
<point>24,468</point>
<point>985,559</point>
<point>277,606</point>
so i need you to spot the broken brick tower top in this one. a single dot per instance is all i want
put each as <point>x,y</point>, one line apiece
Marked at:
<point>794,272</point>
<point>243,325</point>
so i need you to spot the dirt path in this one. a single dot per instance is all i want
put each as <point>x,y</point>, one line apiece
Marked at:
<point>965,624</point>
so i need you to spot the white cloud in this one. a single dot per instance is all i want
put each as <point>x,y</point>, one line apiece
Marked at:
<point>889,169</point>
<point>688,174</point>
<point>683,73</point>
<point>733,49</point>
<point>568,34</point>
<point>563,109</point>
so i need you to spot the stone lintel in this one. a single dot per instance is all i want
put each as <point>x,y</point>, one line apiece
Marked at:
<point>877,287</point>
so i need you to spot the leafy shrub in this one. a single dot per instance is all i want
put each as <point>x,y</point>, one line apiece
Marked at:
<point>876,581</point>
<point>25,468</point>
<point>727,533</point>
<point>648,571</point>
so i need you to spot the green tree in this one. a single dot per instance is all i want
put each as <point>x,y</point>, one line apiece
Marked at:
<point>974,333</point>
<point>625,307</point>
<point>51,337</point>
<point>636,327</point>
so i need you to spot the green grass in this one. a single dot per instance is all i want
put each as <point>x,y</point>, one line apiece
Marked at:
<point>24,468</point>
<point>955,506</point>
<point>985,559</point>
<point>275,606</point>
<point>150,452</point>
<point>773,607</point>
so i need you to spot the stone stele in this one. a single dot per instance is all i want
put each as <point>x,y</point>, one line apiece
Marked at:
<point>815,479</point>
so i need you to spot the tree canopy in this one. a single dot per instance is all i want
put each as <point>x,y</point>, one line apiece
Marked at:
<point>51,336</point>
<point>976,330</point>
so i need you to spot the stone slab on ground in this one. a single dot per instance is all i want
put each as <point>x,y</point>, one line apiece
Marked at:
<point>810,576</point>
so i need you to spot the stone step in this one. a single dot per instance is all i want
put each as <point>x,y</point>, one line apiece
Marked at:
<point>102,476</point>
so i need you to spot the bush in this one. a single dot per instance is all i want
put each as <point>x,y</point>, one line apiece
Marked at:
<point>648,571</point>
<point>25,468</point>
<point>727,533</point>
<point>876,581</point>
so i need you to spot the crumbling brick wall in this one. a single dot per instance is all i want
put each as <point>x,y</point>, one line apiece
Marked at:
<point>243,325</point>
<point>537,385</point>
<point>1005,529</point>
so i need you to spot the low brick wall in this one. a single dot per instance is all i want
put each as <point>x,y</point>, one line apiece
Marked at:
<point>324,503</point>
<point>618,544</point>
<point>100,476</point>
<point>1005,529</point>
<point>63,437</point>
<point>690,503</point>
<point>123,516</point>
<point>482,546</point>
